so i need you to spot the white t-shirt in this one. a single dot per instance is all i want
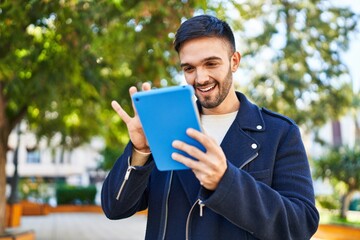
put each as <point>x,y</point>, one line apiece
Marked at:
<point>217,126</point>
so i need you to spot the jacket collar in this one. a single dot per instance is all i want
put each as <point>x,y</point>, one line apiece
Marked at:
<point>249,116</point>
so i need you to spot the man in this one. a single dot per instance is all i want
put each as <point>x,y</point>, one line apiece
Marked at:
<point>252,182</point>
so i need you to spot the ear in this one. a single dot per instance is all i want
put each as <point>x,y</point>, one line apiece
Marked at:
<point>235,61</point>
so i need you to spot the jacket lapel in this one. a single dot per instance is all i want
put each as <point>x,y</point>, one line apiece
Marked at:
<point>238,146</point>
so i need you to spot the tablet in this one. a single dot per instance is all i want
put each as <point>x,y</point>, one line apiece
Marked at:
<point>165,114</point>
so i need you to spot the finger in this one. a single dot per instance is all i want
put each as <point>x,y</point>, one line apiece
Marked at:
<point>202,138</point>
<point>189,149</point>
<point>190,163</point>
<point>146,86</point>
<point>120,111</point>
<point>200,176</point>
<point>133,90</point>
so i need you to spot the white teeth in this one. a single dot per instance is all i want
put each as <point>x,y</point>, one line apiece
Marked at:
<point>206,89</point>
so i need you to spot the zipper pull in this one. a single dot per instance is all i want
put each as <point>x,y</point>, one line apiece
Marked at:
<point>201,208</point>
<point>126,177</point>
<point>127,174</point>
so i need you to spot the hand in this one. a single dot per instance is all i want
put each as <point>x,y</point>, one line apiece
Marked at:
<point>211,165</point>
<point>133,124</point>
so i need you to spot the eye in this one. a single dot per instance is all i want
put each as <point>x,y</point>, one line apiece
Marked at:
<point>211,64</point>
<point>188,69</point>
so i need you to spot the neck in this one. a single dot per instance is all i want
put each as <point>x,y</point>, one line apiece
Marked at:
<point>230,104</point>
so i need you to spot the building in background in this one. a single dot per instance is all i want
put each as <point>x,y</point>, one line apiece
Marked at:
<point>49,162</point>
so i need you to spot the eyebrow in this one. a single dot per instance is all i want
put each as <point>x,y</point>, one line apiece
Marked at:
<point>204,60</point>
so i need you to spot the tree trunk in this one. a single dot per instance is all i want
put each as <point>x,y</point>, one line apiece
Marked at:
<point>3,150</point>
<point>14,198</point>
<point>6,126</point>
<point>357,131</point>
<point>336,133</point>
<point>4,136</point>
<point>345,203</point>
<point>2,189</point>
<point>5,130</point>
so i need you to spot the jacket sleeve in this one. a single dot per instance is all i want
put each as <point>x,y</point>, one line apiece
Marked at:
<point>284,210</point>
<point>124,191</point>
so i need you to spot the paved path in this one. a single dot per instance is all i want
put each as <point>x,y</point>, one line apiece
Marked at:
<point>84,226</point>
<point>95,226</point>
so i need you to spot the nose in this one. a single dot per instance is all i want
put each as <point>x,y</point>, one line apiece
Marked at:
<point>202,76</point>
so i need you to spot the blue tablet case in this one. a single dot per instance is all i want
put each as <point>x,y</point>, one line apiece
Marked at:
<point>165,114</point>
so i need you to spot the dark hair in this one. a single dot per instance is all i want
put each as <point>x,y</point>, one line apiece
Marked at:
<point>203,26</point>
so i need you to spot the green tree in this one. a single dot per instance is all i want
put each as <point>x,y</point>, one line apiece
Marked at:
<point>43,49</point>
<point>299,44</point>
<point>293,57</point>
<point>61,62</point>
<point>341,165</point>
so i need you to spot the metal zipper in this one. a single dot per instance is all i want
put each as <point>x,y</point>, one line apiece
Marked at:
<point>249,160</point>
<point>127,175</point>
<point>202,205</point>
<point>167,204</point>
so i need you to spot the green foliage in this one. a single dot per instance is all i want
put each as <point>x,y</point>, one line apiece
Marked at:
<point>36,190</point>
<point>47,69</point>
<point>62,62</point>
<point>68,194</point>
<point>341,164</point>
<point>329,202</point>
<point>110,155</point>
<point>293,57</point>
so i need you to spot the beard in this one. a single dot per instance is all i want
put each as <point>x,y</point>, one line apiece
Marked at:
<point>224,88</point>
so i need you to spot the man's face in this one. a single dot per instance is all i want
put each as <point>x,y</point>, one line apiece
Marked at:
<point>207,64</point>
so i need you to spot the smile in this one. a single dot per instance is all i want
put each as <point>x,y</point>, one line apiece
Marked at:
<point>206,89</point>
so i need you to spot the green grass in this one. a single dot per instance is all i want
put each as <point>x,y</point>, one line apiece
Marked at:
<point>332,217</point>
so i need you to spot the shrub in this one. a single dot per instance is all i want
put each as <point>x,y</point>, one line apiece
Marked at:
<point>68,194</point>
<point>35,190</point>
<point>328,202</point>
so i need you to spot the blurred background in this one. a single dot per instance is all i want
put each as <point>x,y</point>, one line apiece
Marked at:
<point>62,62</point>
